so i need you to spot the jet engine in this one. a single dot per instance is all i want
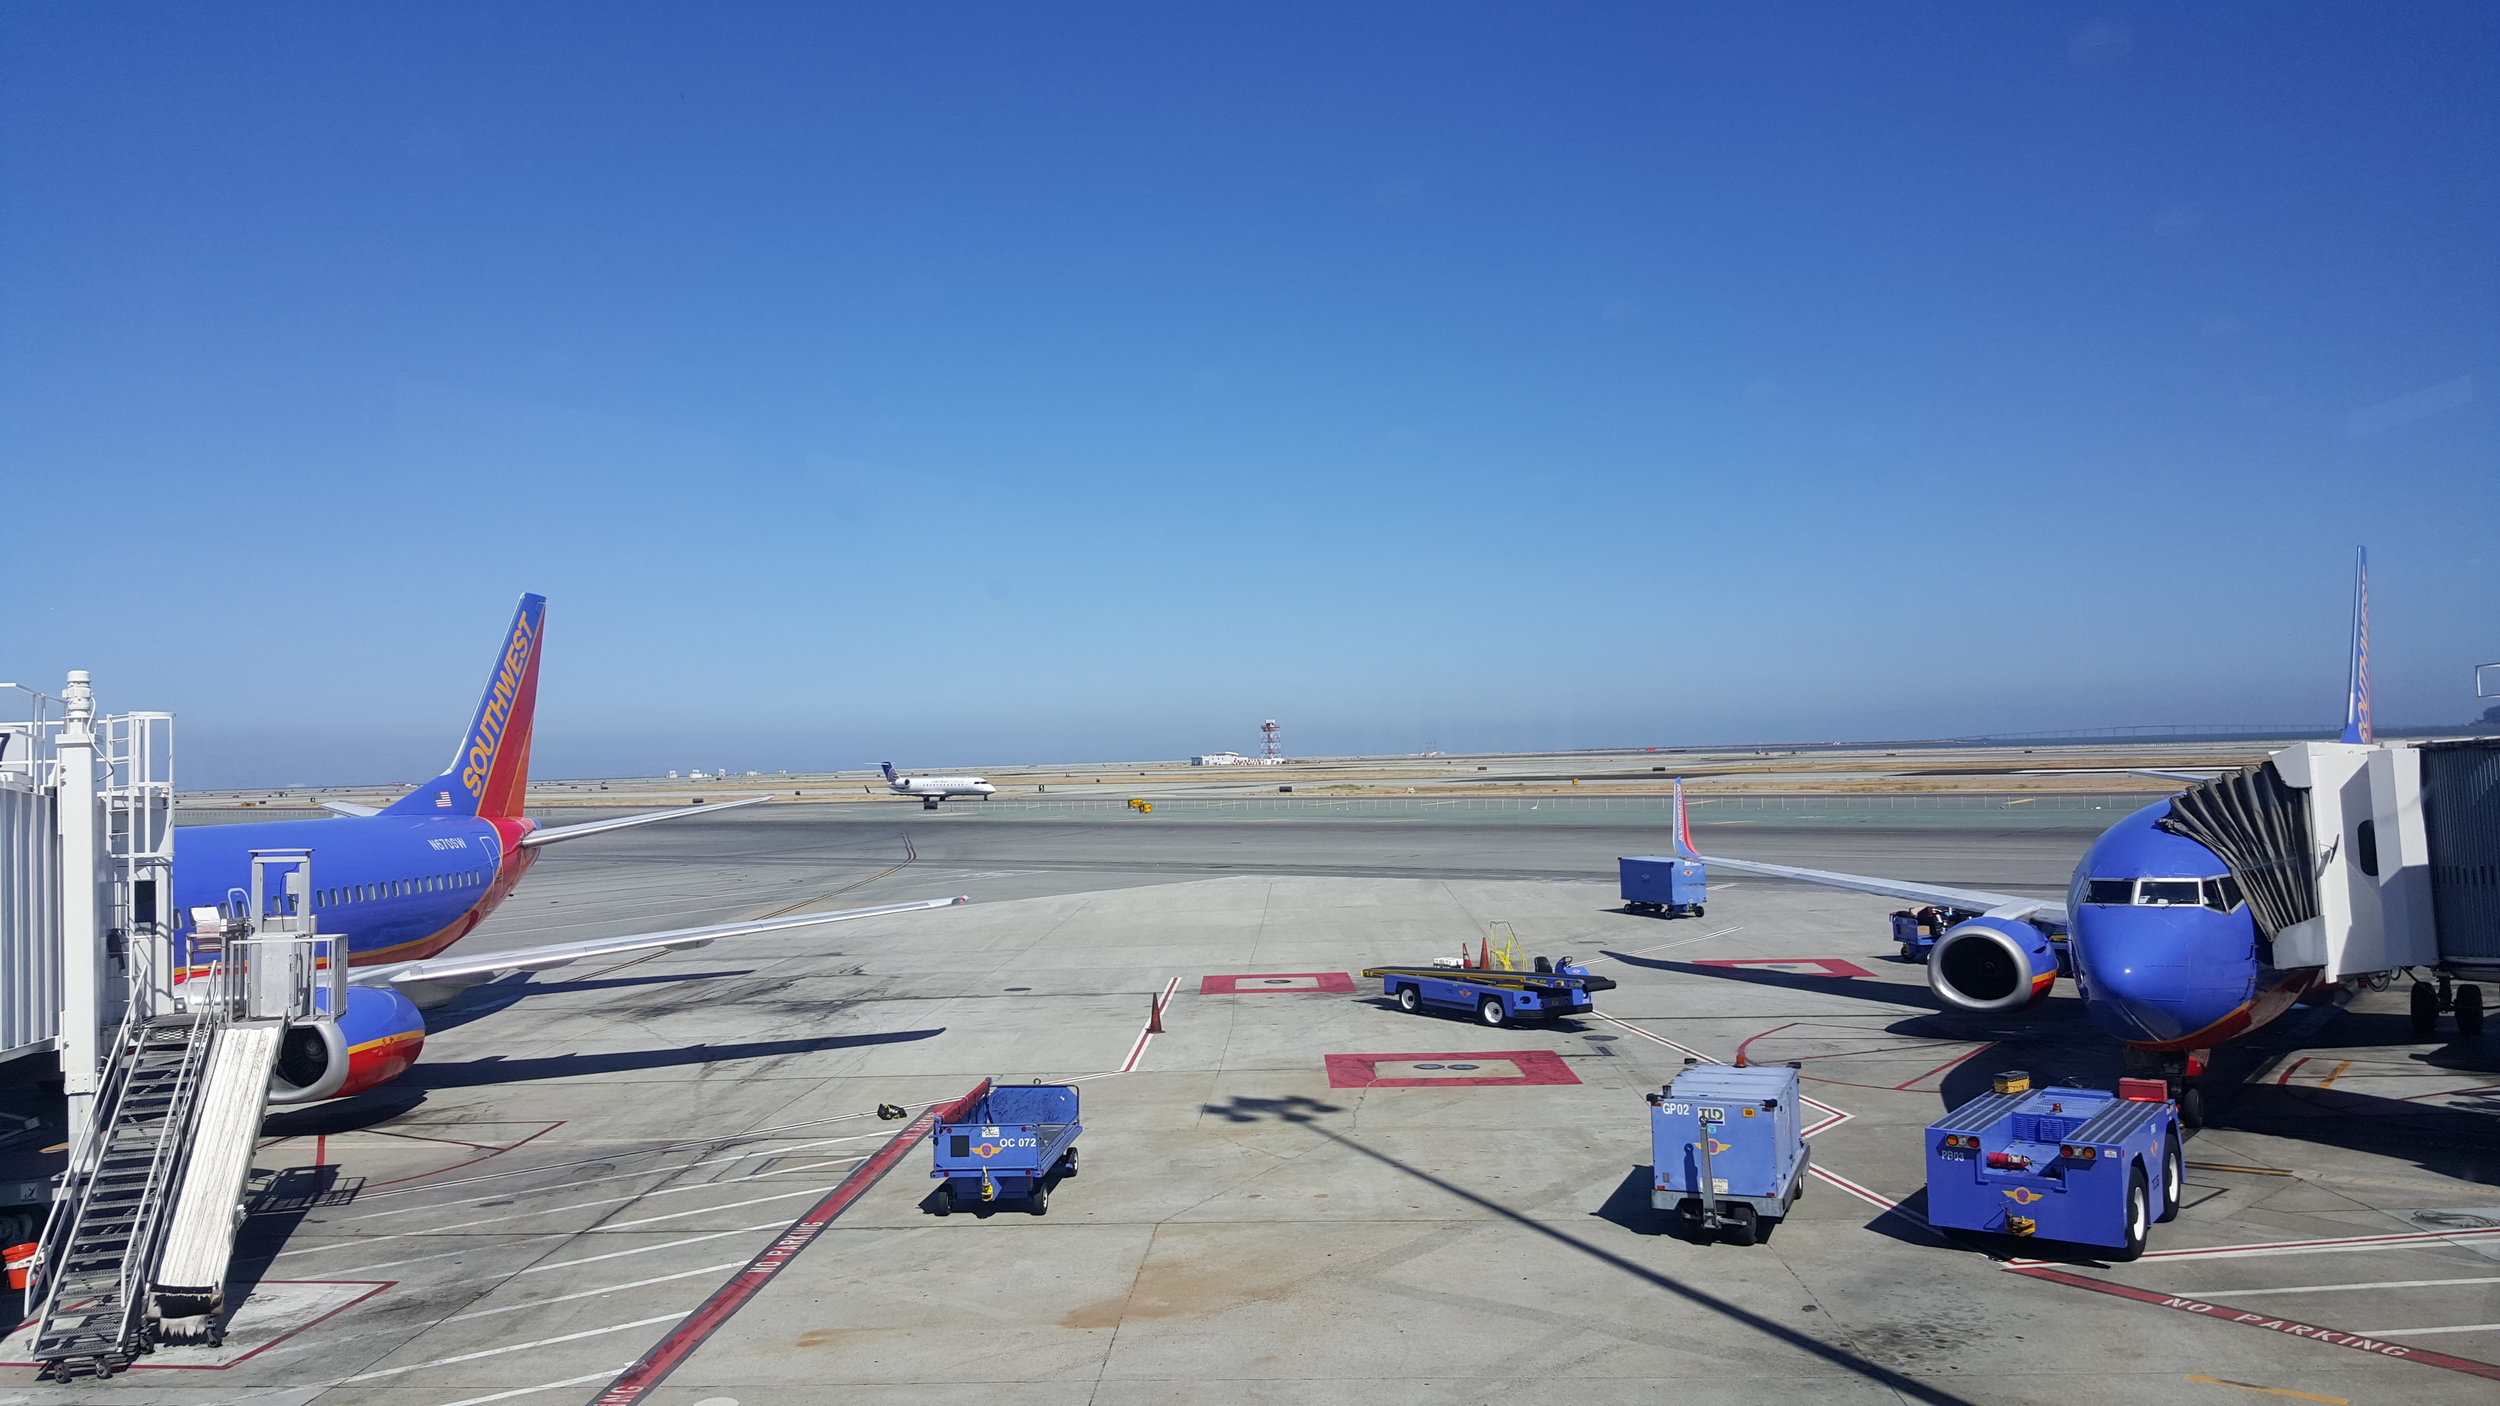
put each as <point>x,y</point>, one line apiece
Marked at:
<point>372,1042</point>
<point>1992,965</point>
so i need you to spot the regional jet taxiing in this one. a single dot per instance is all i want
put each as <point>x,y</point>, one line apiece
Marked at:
<point>933,789</point>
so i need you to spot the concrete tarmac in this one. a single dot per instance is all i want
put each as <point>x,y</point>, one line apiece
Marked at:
<point>585,1157</point>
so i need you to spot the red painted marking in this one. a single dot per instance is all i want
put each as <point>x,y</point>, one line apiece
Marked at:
<point>2289,1247</point>
<point>1356,1071</point>
<point>1248,984</point>
<point>1801,966</point>
<point>654,1367</point>
<point>2289,1068</point>
<point>2224,1313</point>
<point>143,1365</point>
<point>1939,1069</point>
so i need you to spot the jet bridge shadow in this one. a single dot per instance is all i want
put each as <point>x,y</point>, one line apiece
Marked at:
<point>1307,1113</point>
<point>2458,1139</point>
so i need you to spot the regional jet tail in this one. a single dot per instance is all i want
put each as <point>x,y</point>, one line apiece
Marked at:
<point>404,883</point>
<point>933,789</point>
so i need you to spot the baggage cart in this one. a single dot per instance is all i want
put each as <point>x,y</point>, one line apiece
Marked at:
<point>1013,1144</point>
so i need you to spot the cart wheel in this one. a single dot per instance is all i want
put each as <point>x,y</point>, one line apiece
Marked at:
<point>2139,1215</point>
<point>1492,1011</point>
<point>2425,1009</point>
<point>1067,1163</point>
<point>1697,910</point>
<point>1041,1196</point>
<point>2469,1004</point>
<point>946,1197</point>
<point>1407,999</point>
<point>1743,1227</point>
<point>2173,1176</point>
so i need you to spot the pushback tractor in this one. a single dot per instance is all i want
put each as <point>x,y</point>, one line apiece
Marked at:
<point>2074,1165</point>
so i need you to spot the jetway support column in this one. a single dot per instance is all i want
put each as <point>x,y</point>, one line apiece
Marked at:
<point>82,936</point>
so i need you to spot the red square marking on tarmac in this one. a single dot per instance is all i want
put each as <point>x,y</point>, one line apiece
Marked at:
<point>1802,966</point>
<point>1252,983</point>
<point>1416,1071</point>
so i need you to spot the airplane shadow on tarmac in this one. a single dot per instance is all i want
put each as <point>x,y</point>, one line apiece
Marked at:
<point>479,1002</point>
<point>1308,1112</point>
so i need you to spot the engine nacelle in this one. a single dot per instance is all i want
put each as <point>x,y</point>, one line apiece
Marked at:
<point>372,1042</point>
<point>1992,965</point>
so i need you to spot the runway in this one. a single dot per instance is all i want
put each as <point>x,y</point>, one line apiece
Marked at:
<point>586,1158</point>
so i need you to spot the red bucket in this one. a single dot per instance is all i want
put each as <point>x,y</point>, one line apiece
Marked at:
<point>21,1262</point>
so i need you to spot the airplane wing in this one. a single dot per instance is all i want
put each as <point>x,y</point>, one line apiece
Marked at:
<point>1995,905</point>
<point>553,833</point>
<point>2001,905</point>
<point>436,979</point>
<point>350,808</point>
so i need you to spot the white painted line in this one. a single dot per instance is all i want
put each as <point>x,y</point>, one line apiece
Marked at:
<point>2423,1239</point>
<point>1679,942</point>
<point>2348,1288</point>
<point>706,1210</point>
<point>1648,1035</point>
<point>647,1249</point>
<point>2426,1332</point>
<point>544,1386</point>
<point>518,1215</point>
<point>593,1293</point>
<point>509,1347</point>
<point>1146,1036</point>
<point>616,1176</point>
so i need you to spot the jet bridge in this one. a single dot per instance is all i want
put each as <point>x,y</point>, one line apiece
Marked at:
<point>2362,859</point>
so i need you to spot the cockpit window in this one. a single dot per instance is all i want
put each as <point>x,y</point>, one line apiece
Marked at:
<point>2170,893</point>
<point>2109,891</point>
<point>2223,894</point>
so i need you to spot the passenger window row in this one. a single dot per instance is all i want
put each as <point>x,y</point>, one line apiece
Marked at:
<point>397,888</point>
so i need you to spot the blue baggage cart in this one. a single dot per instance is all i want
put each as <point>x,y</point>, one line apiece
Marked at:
<point>1727,1148</point>
<point>1663,884</point>
<point>2076,1165</point>
<point>1014,1143</point>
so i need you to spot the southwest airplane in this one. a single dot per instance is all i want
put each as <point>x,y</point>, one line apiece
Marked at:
<point>2166,955</point>
<point>933,789</point>
<point>405,882</point>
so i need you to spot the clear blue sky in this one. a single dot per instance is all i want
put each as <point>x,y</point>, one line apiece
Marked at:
<point>997,383</point>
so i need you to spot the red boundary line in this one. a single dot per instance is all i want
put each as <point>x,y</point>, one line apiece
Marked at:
<point>2224,1313</point>
<point>654,1367</point>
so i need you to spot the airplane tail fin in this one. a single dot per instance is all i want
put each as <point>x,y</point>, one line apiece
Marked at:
<point>888,769</point>
<point>490,773</point>
<point>2357,726</point>
<point>1683,826</point>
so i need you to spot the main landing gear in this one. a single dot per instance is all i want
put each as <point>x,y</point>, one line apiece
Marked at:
<point>2465,1000</point>
<point>930,802</point>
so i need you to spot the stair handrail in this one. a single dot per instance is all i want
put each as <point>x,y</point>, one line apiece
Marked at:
<point>71,1205</point>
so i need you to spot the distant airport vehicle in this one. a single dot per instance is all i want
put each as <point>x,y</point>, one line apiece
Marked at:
<point>1497,997</point>
<point>933,789</point>
<point>1664,885</point>
<point>2167,951</point>
<point>405,882</point>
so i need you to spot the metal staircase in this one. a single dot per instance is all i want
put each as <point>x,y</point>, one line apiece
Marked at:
<point>109,1222</point>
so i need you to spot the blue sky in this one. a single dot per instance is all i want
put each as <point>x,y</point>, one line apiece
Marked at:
<point>1000,383</point>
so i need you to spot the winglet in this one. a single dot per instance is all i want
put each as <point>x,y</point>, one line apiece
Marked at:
<point>1683,826</point>
<point>489,773</point>
<point>2357,726</point>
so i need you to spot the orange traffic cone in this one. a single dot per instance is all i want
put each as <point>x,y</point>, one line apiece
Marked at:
<point>1484,955</point>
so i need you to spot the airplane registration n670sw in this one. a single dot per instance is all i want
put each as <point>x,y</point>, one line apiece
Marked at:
<point>405,882</point>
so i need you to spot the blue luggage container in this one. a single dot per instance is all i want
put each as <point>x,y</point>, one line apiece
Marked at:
<point>1663,884</point>
<point>2076,1165</point>
<point>1728,1148</point>
<point>1014,1143</point>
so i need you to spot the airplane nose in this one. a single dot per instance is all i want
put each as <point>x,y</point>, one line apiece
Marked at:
<point>2145,976</point>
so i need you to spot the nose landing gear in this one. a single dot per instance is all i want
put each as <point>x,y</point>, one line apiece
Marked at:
<point>2181,1070</point>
